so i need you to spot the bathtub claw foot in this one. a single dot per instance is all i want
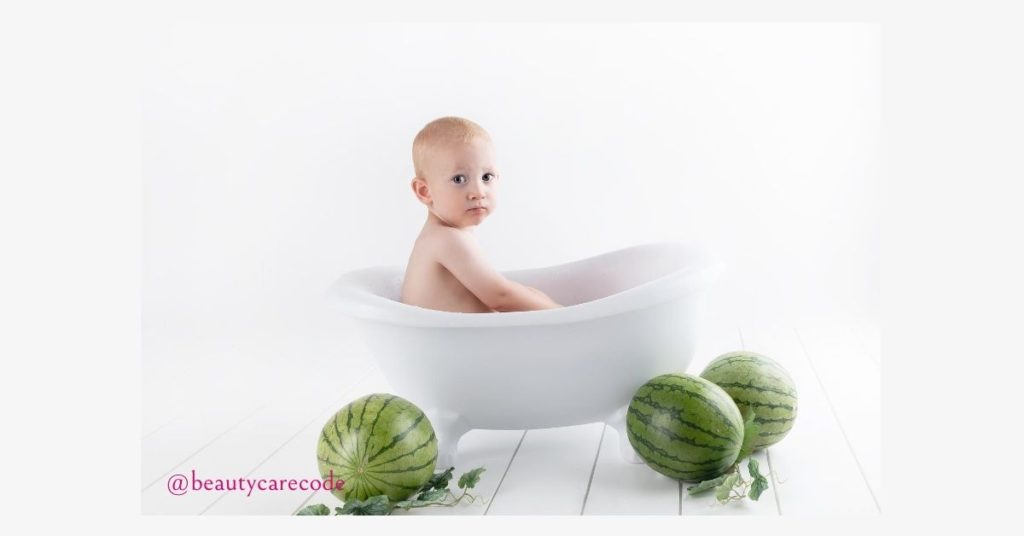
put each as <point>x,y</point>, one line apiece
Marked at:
<point>618,421</point>
<point>449,427</point>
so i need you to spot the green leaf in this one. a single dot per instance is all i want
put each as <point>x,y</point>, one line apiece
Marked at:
<point>314,510</point>
<point>470,479</point>
<point>706,485</point>
<point>433,495</point>
<point>439,480</point>
<point>750,433</point>
<point>724,489</point>
<point>752,466</point>
<point>426,498</point>
<point>757,487</point>
<point>374,506</point>
<point>760,483</point>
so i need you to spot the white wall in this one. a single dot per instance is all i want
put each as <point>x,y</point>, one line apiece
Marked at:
<point>278,157</point>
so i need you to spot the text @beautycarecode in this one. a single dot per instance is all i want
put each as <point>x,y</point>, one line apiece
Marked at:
<point>180,484</point>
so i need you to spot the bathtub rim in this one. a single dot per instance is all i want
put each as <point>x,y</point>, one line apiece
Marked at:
<point>346,296</point>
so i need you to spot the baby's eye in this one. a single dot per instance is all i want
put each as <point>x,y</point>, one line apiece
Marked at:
<point>490,175</point>
<point>456,178</point>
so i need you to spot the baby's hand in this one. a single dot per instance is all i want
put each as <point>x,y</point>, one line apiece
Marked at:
<point>545,296</point>
<point>539,292</point>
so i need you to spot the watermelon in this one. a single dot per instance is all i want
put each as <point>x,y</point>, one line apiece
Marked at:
<point>759,384</point>
<point>684,427</point>
<point>379,444</point>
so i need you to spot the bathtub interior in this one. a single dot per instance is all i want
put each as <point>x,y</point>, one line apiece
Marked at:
<point>575,283</point>
<point>612,273</point>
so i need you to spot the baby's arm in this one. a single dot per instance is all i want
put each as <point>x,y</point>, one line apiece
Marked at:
<point>459,253</point>
<point>545,296</point>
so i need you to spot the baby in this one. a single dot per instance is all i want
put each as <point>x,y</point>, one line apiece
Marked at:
<point>457,178</point>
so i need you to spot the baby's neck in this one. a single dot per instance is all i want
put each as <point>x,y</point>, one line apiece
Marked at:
<point>433,219</point>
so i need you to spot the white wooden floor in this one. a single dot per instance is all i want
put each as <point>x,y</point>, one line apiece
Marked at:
<point>829,464</point>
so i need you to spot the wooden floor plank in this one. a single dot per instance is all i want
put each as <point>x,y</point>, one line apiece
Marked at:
<point>187,436</point>
<point>148,430</point>
<point>491,449</point>
<point>243,447</point>
<point>813,469</point>
<point>853,386</point>
<point>623,488</point>
<point>296,458</point>
<point>550,472</point>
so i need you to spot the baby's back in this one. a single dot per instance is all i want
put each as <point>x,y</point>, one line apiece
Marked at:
<point>430,285</point>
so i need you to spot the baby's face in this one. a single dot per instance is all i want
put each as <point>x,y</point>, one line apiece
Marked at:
<point>460,177</point>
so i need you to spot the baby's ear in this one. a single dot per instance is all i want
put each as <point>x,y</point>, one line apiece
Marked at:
<point>421,189</point>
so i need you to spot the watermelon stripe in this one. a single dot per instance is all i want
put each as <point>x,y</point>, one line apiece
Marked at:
<point>677,471</point>
<point>369,488</point>
<point>728,361</point>
<point>665,454</point>
<point>698,474</point>
<point>362,414</point>
<point>372,488</point>
<point>359,427</point>
<point>710,403</point>
<point>351,488</point>
<point>678,415</point>
<point>327,439</point>
<point>332,462</point>
<point>745,357</point>
<point>761,421</point>
<point>409,469</point>
<point>762,389</point>
<point>752,403</point>
<point>341,450</point>
<point>672,435</point>
<point>377,416</point>
<point>341,443</point>
<point>398,438</point>
<point>380,412</point>
<point>756,361</point>
<point>348,422</point>
<point>410,453</point>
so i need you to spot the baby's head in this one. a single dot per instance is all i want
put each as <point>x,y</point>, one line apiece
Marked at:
<point>456,171</point>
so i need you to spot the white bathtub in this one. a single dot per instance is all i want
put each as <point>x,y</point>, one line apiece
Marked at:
<point>630,315</point>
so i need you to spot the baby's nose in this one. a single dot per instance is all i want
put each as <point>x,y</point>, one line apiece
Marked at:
<point>477,191</point>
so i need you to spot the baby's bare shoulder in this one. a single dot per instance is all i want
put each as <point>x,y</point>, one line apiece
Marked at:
<point>440,240</point>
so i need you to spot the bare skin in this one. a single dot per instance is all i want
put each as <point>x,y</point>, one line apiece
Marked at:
<point>447,270</point>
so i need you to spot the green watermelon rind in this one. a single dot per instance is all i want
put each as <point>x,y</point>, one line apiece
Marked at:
<point>684,427</point>
<point>379,444</point>
<point>757,383</point>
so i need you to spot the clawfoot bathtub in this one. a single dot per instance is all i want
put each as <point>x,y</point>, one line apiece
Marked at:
<point>629,315</point>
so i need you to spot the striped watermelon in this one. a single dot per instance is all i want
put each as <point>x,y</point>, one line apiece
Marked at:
<point>756,382</point>
<point>379,444</point>
<point>684,427</point>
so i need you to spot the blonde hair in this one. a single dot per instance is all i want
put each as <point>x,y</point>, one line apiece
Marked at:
<point>443,131</point>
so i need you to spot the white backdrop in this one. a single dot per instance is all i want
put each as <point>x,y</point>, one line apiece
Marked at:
<point>277,157</point>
